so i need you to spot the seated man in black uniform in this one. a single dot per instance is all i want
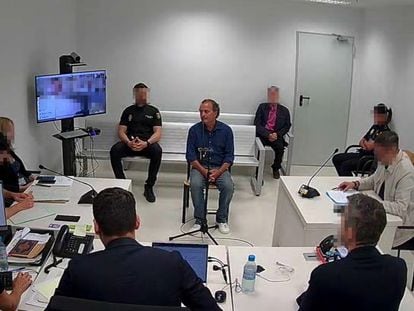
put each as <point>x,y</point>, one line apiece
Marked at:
<point>345,163</point>
<point>139,131</point>
<point>272,123</point>
<point>127,272</point>
<point>365,279</point>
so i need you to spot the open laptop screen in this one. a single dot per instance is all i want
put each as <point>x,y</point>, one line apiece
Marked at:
<point>3,221</point>
<point>195,254</point>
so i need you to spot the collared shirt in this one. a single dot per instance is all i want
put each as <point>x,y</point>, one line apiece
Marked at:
<point>375,130</point>
<point>398,180</point>
<point>219,143</point>
<point>271,118</point>
<point>140,121</point>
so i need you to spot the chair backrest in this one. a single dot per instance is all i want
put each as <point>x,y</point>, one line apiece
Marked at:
<point>61,303</point>
<point>174,137</point>
<point>194,117</point>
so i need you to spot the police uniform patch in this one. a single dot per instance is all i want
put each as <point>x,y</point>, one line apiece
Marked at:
<point>130,118</point>
<point>158,115</point>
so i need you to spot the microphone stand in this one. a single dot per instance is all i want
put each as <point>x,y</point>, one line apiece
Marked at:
<point>204,226</point>
<point>86,198</point>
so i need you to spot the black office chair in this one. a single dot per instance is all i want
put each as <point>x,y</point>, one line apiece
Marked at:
<point>62,303</point>
<point>403,248</point>
<point>366,164</point>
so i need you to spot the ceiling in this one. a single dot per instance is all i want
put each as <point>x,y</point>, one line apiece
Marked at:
<point>374,3</point>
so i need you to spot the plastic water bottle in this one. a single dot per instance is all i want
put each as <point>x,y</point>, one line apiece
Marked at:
<point>4,265</point>
<point>249,275</point>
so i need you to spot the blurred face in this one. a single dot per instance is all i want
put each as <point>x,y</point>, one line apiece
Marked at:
<point>380,118</point>
<point>9,132</point>
<point>385,155</point>
<point>273,96</point>
<point>4,157</point>
<point>347,233</point>
<point>141,95</point>
<point>207,114</point>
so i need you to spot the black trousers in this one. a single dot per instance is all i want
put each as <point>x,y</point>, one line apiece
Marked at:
<point>346,163</point>
<point>121,150</point>
<point>278,147</point>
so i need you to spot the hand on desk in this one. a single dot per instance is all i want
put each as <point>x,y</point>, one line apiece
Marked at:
<point>18,197</point>
<point>21,283</point>
<point>346,185</point>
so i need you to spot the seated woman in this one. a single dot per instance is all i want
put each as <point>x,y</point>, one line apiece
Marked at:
<point>13,173</point>
<point>24,200</point>
<point>345,163</point>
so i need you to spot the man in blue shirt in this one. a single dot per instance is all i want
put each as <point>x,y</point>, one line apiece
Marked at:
<point>210,151</point>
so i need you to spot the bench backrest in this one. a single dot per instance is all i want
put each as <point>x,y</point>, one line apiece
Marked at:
<point>174,137</point>
<point>193,117</point>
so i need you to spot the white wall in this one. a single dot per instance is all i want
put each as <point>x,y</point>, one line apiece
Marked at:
<point>32,36</point>
<point>386,72</point>
<point>187,50</point>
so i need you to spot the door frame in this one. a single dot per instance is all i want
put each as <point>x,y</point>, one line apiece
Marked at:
<point>295,101</point>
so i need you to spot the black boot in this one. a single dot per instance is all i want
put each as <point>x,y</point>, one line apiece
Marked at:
<point>149,194</point>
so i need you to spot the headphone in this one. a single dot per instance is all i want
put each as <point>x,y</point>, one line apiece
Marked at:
<point>383,109</point>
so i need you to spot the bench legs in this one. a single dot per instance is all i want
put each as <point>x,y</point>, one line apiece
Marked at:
<point>186,200</point>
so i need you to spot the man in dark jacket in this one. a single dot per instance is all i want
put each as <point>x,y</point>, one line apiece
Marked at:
<point>127,272</point>
<point>365,279</point>
<point>272,123</point>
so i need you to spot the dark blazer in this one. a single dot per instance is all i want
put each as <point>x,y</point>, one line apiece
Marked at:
<point>283,123</point>
<point>127,272</point>
<point>364,280</point>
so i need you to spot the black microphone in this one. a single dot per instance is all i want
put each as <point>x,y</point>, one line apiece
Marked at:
<point>86,198</point>
<point>222,267</point>
<point>308,192</point>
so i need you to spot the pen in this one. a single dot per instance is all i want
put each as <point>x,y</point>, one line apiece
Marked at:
<point>42,185</point>
<point>336,188</point>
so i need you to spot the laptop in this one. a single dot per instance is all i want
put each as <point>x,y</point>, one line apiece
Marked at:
<point>3,221</point>
<point>195,254</point>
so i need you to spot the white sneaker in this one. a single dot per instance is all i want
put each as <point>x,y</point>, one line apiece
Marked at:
<point>223,227</point>
<point>195,227</point>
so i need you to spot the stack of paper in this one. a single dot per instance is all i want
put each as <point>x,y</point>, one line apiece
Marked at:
<point>24,235</point>
<point>41,293</point>
<point>45,194</point>
<point>340,197</point>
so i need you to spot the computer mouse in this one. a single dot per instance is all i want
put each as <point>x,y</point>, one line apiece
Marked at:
<point>220,296</point>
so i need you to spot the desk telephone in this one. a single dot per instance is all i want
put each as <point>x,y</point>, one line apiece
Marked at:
<point>68,245</point>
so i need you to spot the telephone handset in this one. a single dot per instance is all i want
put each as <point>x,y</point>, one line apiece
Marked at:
<point>68,245</point>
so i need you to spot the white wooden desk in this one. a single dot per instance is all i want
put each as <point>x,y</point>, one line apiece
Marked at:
<point>215,279</point>
<point>305,222</point>
<point>279,296</point>
<point>72,207</point>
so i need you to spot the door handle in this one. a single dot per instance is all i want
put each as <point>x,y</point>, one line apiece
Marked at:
<point>301,98</point>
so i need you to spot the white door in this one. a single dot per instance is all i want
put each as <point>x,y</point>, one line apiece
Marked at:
<point>322,98</point>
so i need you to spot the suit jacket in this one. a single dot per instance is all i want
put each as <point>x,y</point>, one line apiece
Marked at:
<point>364,280</point>
<point>398,194</point>
<point>127,272</point>
<point>282,124</point>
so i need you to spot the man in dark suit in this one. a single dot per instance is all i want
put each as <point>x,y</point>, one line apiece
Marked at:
<point>127,272</point>
<point>365,279</point>
<point>272,123</point>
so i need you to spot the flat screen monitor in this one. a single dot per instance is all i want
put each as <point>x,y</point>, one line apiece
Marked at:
<point>3,221</point>
<point>72,95</point>
<point>195,254</point>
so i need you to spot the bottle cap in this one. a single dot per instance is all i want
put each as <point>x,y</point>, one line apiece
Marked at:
<point>252,257</point>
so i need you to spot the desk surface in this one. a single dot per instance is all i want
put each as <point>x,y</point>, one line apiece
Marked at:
<point>283,294</point>
<point>318,212</point>
<point>72,207</point>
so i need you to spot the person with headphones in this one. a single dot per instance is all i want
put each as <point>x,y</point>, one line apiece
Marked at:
<point>272,122</point>
<point>347,162</point>
<point>210,152</point>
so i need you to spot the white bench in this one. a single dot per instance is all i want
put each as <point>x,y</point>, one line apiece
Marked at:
<point>249,150</point>
<point>232,118</point>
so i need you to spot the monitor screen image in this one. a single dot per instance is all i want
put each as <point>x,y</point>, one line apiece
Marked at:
<point>3,221</point>
<point>72,95</point>
<point>195,254</point>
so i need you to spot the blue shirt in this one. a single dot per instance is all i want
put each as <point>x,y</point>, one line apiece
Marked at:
<point>219,141</point>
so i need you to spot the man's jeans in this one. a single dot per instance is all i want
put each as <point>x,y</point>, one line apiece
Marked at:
<point>226,188</point>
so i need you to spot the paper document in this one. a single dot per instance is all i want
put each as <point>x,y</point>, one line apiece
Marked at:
<point>39,211</point>
<point>44,194</point>
<point>340,197</point>
<point>62,181</point>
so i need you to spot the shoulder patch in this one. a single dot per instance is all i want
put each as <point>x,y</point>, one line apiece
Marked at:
<point>158,115</point>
